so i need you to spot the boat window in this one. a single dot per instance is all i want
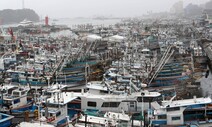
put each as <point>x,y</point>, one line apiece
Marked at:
<point>7,102</point>
<point>52,105</point>
<point>51,114</point>
<point>173,109</point>
<point>16,101</point>
<point>102,91</point>
<point>43,113</point>
<point>91,104</point>
<point>145,99</point>
<point>34,79</point>
<point>162,117</point>
<point>132,104</point>
<point>58,113</point>
<point>16,94</point>
<point>47,93</point>
<point>126,78</point>
<point>4,91</point>
<point>176,118</point>
<point>23,92</point>
<point>110,104</point>
<point>28,75</point>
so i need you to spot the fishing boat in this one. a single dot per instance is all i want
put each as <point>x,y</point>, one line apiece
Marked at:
<point>27,74</point>
<point>51,89</point>
<point>55,110</point>
<point>108,119</point>
<point>5,120</point>
<point>170,74</point>
<point>75,73</point>
<point>112,75</point>
<point>110,87</point>
<point>128,102</point>
<point>25,23</point>
<point>5,90</point>
<point>181,112</point>
<point>17,101</point>
<point>5,36</point>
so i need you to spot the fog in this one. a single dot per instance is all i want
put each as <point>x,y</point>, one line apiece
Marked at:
<point>90,8</point>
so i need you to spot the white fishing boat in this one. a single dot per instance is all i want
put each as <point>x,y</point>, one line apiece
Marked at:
<point>4,35</point>
<point>50,90</point>
<point>108,87</point>
<point>28,74</point>
<point>7,89</point>
<point>109,119</point>
<point>98,87</point>
<point>55,111</point>
<point>134,102</point>
<point>25,22</point>
<point>128,102</point>
<point>16,101</point>
<point>5,120</point>
<point>180,112</point>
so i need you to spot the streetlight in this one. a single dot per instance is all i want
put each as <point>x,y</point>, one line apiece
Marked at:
<point>142,108</point>
<point>142,102</point>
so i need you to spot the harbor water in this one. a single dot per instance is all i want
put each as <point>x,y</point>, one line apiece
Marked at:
<point>70,22</point>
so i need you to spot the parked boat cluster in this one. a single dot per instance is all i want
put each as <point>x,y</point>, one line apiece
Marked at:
<point>135,73</point>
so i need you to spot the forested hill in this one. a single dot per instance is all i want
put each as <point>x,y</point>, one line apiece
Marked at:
<point>8,16</point>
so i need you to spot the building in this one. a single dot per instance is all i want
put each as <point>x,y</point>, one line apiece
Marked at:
<point>177,8</point>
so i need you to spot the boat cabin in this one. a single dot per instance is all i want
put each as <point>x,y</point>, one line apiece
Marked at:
<point>17,99</point>
<point>180,111</point>
<point>56,109</point>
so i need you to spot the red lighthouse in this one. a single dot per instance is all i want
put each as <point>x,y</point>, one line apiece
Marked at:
<point>46,20</point>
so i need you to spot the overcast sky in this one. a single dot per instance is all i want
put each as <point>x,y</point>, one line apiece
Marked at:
<point>90,8</point>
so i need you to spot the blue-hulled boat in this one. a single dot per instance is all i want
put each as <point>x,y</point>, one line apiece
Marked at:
<point>181,112</point>
<point>5,120</point>
<point>17,101</point>
<point>170,74</point>
<point>168,81</point>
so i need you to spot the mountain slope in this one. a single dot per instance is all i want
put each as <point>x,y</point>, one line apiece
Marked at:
<point>8,16</point>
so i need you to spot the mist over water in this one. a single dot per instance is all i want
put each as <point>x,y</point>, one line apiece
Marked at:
<point>90,8</point>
